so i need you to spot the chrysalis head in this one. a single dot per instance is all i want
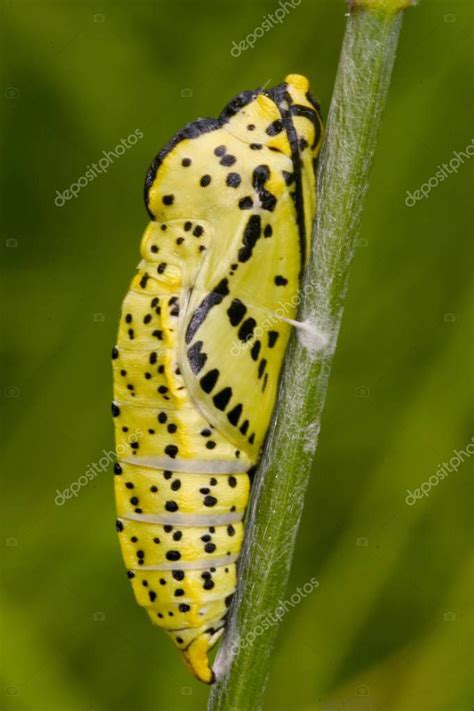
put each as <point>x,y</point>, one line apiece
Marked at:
<point>259,118</point>
<point>304,111</point>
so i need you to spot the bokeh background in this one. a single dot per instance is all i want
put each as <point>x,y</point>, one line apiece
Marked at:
<point>388,628</point>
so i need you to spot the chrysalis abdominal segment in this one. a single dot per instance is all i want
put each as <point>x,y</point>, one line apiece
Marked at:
<point>231,202</point>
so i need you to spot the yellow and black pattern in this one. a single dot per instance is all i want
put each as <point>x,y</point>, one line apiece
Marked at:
<point>200,348</point>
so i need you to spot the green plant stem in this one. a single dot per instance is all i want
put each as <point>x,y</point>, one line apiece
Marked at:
<point>368,52</point>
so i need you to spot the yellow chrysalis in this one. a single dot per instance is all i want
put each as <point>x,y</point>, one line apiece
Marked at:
<point>200,346</point>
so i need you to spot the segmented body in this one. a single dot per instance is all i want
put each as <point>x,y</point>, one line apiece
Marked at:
<point>200,346</point>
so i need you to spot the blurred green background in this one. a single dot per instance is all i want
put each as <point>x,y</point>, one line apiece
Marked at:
<point>388,628</point>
